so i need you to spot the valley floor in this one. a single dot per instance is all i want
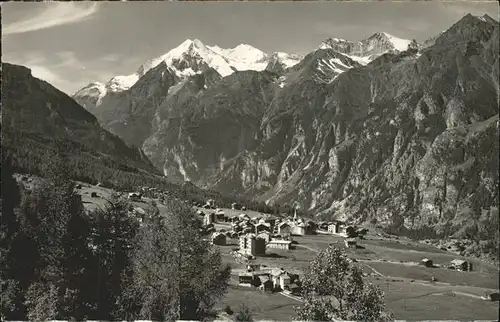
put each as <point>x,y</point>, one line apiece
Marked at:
<point>390,263</point>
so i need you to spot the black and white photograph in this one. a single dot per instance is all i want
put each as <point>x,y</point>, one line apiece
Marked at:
<point>250,161</point>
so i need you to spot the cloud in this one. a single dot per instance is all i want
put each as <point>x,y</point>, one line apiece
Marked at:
<point>55,14</point>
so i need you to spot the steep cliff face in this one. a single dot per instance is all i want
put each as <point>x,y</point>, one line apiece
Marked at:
<point>202,126</point>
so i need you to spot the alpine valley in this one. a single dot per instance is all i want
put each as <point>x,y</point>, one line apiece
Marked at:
<point>384,130</point>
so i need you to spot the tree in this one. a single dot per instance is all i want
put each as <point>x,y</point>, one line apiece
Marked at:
<point>177,273</point>
<point>113,238</point>
<point>333,288</point>
<point>244,314</point>
<point>10,198</point>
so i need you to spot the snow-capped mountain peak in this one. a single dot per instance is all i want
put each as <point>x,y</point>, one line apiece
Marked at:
<point>284,60</point>
<point>397,43</point>
<point>193,56</point>
<point>367,49</point>
<point>93,93</point>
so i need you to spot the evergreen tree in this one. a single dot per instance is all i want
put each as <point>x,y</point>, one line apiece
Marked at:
<point>177,274</point>
<point>113,237</point>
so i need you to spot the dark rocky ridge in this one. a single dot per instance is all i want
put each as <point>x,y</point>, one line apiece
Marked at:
<point>36,110</point>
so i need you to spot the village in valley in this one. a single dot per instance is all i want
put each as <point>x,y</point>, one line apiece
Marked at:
<point>269,255</point>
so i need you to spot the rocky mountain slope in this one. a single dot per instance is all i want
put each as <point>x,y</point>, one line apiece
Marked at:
<point>403,137</point>
<point>36,118</point>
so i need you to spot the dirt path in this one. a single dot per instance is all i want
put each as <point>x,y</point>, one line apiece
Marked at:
<point>307,247</point>
<point>296,298</point>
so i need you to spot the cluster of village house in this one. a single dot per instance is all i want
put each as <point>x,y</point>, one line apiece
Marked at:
<point>456,264</point>
<point>266,231</point>
<point>270,279</point>
<point>257,234</point>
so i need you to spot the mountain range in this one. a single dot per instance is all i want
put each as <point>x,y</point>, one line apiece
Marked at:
<point>386,130</point>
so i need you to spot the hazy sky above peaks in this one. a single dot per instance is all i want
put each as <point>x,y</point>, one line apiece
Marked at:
<point>70,44</point>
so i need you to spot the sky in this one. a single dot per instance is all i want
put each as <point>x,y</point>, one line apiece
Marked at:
<point>70,44</point>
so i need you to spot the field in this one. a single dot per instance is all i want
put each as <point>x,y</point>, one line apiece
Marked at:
<point>391,263</point>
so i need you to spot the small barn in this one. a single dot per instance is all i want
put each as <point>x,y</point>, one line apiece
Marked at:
<point>261,227</point>
<point>219,239</point>
<point>220,217</point>
<point>350,231</point>
<point>246,279</point>
<point>284,229</point>
<point>461,265</point>
<point>266,284</point>
<point>427,262</point>
<point>350,242</point>
<point>264,235</point>
<point>271,220</point>
<point>235,206</point>
<point>134,196</point>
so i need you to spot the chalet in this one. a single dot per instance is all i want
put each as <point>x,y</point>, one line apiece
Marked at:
<point>427,262</point>
<point>265,283</point>
<point>219,239</point>
<point>246,279</point>
<point>210,202</point>
<point>284,228</point>
<point>311,227</point>
<point>334,228</point>
<point>261,227</point>
<point>244,217</point>
<point>350,242</point>
<point>256,219</point>
<point>279,244</point>
<point>248,230</point>
<point>323,226</point>
<point>361,233</point>
<point>220,217</point>
<point>254,267</point>
<point>350,231</point>
<point>271,219</point>
<point>244,208</point>
<point>134,196</point>
<point>280,279</point>
<point>461,265</point>
<point>293,288</point>
<point>264,235</point>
